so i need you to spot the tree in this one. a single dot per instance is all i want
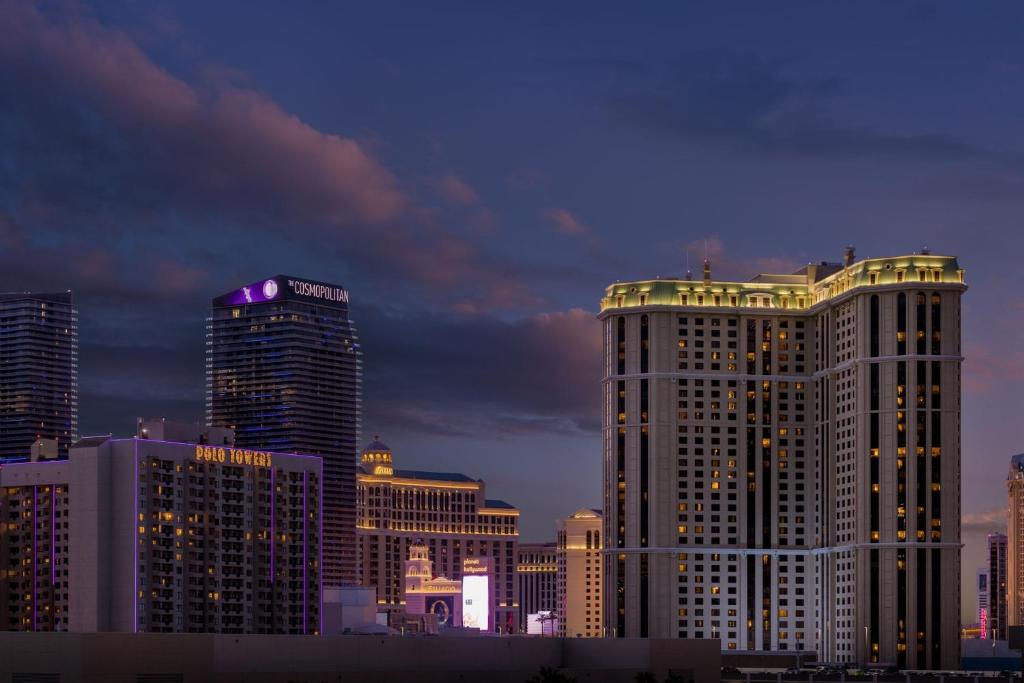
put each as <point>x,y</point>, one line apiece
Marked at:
<point>549,675</point>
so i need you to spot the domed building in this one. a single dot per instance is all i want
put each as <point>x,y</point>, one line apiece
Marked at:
<point>449,514</point>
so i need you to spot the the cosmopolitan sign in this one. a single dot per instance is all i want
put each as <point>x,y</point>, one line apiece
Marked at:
<point>283,287</point>
<point>233,456</point>
<point>318,290</point>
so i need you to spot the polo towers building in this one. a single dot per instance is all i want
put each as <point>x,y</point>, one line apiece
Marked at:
<point>140,535</point>
<point>284,371</point>
<point>782,460</point>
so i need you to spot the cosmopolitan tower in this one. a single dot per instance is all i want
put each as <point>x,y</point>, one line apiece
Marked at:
<point>782,460</point>
<point>284,371</point>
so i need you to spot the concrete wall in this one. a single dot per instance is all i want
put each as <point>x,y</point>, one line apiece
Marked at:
<point>118,657</point>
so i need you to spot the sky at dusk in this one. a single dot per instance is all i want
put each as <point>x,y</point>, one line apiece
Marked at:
<point>475,175</point>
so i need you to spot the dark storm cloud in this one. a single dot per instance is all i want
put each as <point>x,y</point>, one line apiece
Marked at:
<point>483,375</point>
<point>751,104</point>
<point>100,138</point>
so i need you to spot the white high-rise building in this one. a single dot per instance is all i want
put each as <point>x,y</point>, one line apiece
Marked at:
<point>782,460</point>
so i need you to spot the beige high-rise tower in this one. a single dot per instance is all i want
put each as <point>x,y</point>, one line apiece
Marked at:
<point>1015,550</point>
<point>578,550</point>
<point>782,460</point>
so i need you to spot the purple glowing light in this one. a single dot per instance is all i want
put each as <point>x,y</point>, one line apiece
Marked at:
<point>35,556</point>
<point>135,546</point>
<point>53,535</point>
<point>273,532</point>
<point>305,546</point>
<point>256,293</point>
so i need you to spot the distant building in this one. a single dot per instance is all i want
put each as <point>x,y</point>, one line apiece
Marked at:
<point>447,512</point>
<point>284,370</point>
<point>580,585</point>
<point>782,459</point>
<point>1015,542</point>
<point>998,557</point>
<point>38,372</point>
<point>426,593</point>
<point>138,535</point>
<point>537,575</point>
<point>982,588</point>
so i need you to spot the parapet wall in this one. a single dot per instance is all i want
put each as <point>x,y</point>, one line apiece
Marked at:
<point>191,658</point>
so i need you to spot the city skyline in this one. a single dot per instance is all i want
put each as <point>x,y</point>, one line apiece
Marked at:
<point>459,256</point>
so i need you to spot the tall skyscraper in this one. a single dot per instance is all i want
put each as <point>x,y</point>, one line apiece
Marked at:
<point>38,372</point>
<point>782,460</point>
<point>284,371</point>
<point>1015,542</point>
<point>579,574</point>
<point>997,586</point>
<point>983,594</point>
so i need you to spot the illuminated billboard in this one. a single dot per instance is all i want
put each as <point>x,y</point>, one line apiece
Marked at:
<point>476,599</point>
<point>477,593</point>
<point>284,287</point>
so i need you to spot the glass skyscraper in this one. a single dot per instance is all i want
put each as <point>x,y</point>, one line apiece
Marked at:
<point>284,370</point>
<point>38,372</point>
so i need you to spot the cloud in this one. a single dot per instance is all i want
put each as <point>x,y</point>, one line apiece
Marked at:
<point>483,375</point>
<point>565,222</point>
<point>605,64</point>
<point>984,522</point>
<point>97,138</point>
<point>727,264</point>
<point>752,105</point>
<point>223,140</point>
<point>455,190</point>
<point>986,368</point>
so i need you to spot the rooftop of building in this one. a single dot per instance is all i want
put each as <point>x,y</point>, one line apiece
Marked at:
<point>1017,465</point>
<point>433,476</point>
<point>802,289</point>
<point>64,297</point>
<point>498,504</point>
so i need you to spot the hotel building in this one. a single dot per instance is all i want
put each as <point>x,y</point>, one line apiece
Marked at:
<point>580,588</point>
<point>983,591</point>
<point>782,460</point>
<point>447,512</point>
<point>284,371</point>
<point>997,586</point>
<point>537,575</point>
<point>1015,542</point>
<point>38,372</point>
<point>140,535</point>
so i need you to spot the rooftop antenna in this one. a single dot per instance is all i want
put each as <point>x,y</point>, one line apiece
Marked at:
<point>689,273</point>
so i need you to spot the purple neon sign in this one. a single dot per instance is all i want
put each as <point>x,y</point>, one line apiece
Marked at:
<point>256,293</point>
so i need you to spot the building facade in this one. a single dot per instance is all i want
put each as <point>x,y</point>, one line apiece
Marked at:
<point>537,576</point>
<point>580,586</point>
<point>1015,542</point>
<point>982,593</point>
<point>447,512</point>
<point>998,586</point>
<point>284,371</point>
<point>38,372</point>
<point>138,535</point>
<point>782,460</point>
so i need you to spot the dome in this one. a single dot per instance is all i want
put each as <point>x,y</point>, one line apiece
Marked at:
<point>376,458</point>
<point>377,446</point>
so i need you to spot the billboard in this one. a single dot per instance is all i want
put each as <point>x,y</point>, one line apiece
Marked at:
<point>443,607</point>
<point>285,287</point>
<point>476,599</point>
